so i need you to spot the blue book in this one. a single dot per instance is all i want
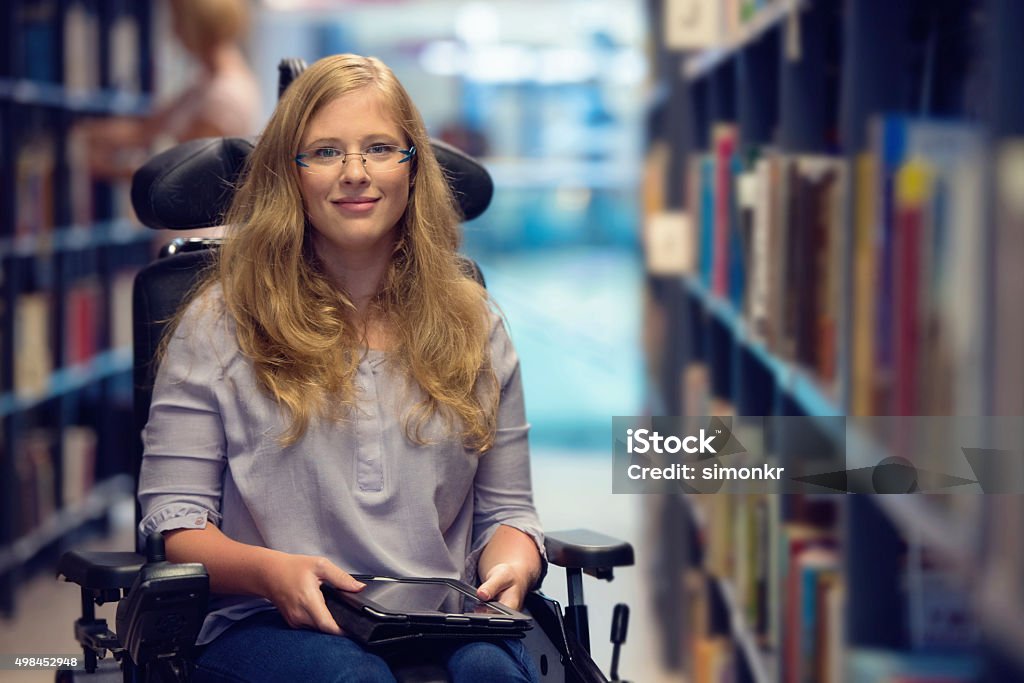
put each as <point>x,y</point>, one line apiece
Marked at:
<point>707,220</point>
<point>739,238</point>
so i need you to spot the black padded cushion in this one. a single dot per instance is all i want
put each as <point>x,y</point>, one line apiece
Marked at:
<point>100,570</point>
<point>159,289</point>
<point>470,182</point>
<point>191,185</point>
<point>585,549</point>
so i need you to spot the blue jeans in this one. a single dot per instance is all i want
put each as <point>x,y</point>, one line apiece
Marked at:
<point>264,648</point>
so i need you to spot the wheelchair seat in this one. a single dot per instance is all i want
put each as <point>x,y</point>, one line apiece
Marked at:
<point>162,605</point>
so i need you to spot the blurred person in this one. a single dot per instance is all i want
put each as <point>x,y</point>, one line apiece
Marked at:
<point>339,398</point>
<point>223,101</point>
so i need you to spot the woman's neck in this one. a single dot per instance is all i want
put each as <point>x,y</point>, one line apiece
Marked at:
<point>357,273</point>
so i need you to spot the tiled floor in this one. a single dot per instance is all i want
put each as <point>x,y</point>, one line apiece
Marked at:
<point>47,609</point>
<point>575,322</point>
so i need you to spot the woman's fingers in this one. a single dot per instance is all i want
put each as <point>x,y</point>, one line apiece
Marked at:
<point>339,578</point>
<point>310,611</point>
<point>295,590</point>
<point>321,619</point>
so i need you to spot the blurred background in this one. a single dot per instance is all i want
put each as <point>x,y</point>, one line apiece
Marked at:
<point>702,207</point>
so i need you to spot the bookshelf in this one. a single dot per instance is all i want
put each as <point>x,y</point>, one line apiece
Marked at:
<point>765,19</point>
<point>820,152</point>
<point>68,253</point>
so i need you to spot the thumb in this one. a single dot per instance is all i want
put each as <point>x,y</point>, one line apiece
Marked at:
<point>493,585</point>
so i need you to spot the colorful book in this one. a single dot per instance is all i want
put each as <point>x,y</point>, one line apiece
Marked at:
<point>33,362</point>
<point>706,220</point>
<point>1008,323</point>
<point>946,146</point>
<point>34,180</point>
<point>913,181</point>
<point>82,316</point>
<point>724,145</point>
<point>865,286</point>
<point>78,463</point>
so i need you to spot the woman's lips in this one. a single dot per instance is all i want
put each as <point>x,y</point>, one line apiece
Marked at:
<point>355,205</point>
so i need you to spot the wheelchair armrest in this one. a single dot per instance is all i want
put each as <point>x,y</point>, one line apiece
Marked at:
<point>594,553</point>
<point>100,570</point>
<point>162,614</point>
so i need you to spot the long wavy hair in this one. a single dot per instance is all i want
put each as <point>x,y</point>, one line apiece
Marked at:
<point>298,328</point>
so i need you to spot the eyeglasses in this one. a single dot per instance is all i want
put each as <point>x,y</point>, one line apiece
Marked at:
<point>376,158</point>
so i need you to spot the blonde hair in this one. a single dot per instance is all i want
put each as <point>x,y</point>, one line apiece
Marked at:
<point>296,326</point>
<point>202,24</point>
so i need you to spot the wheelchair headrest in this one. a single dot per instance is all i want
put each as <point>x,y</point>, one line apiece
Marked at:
<point>191,185</point>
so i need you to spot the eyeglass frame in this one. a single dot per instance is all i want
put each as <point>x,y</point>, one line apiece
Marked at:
<point>408,154</point>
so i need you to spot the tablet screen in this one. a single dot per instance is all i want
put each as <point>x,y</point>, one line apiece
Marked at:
<point>424,597</point>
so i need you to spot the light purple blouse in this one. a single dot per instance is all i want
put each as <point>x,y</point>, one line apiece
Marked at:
<point>359,492</point>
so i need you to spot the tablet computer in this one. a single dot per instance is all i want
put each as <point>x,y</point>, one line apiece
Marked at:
<point>393,609</point>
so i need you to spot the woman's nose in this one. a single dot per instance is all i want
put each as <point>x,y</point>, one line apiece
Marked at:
<point>353,170</point>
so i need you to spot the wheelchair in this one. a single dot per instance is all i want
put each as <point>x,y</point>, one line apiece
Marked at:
<point>161,606</point>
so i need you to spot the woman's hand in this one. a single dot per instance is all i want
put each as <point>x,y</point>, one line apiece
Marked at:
<point>509,565</point>
<point>507,583</point>
<point>292,583</point>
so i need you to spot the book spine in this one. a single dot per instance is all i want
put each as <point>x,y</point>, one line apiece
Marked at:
<point>864,286</point>
<point>725,148</point>
<point>912,186</point>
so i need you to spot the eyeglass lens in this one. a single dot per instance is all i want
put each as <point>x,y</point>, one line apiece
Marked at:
<point>379,158</point>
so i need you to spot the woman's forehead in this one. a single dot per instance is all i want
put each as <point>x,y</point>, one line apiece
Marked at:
<point>353,117</point>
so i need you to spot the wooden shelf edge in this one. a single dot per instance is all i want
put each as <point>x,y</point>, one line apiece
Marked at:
<point>796,382</point>
<point>102,497</point>
<point>96,101</point>
<point>66,380</point>
<point>74,238</point>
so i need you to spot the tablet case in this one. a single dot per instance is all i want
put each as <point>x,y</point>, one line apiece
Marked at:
<point>368,623</point>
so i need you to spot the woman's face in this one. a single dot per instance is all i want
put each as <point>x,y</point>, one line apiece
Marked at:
<point>353,207</point>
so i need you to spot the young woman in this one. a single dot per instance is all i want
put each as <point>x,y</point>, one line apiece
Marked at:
<point>339,397</point>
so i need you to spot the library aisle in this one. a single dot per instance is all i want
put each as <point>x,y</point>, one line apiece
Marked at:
<point>797,222</point>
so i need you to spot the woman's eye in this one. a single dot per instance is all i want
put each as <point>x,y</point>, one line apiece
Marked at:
<point>327,152</point>
<point>378,150</point>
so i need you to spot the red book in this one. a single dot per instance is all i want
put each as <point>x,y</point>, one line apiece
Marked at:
<point>724,146</point>
<point>82,322</point>
<point>912,182</point>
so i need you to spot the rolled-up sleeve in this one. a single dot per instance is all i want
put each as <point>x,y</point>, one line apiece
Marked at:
<point>503,493</point>
<point>183,461</point>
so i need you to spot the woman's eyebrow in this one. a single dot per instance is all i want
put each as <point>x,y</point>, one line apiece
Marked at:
<point>365,140</point>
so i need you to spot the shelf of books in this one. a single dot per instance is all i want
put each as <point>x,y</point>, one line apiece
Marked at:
<point>836,231</point>
<point>69,250</point>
